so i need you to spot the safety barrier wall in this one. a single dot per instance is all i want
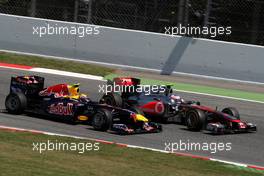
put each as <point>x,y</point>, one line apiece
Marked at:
<point>135,48</point>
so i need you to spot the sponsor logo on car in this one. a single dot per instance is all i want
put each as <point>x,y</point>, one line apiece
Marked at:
<point>60,109</point>
<point>242,125</point>
<point>159,108</point>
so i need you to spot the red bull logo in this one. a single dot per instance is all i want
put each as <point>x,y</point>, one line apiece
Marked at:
<point>60,109</point>
<point>58,90</point>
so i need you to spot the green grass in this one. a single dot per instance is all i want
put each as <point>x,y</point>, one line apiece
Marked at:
<point>18,158</point>
<point>54,64</point>
<point>202,89</point>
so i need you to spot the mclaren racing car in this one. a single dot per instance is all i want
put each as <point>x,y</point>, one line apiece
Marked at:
<point>161,104</point>
<point>27,94</point>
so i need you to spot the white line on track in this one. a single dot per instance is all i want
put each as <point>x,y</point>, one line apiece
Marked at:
<point>220,96</point>
<point>66,73</point>
<point>229,162</point>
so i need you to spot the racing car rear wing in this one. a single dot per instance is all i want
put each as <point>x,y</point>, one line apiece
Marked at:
<point>126,81</point>
<point>29,85</point>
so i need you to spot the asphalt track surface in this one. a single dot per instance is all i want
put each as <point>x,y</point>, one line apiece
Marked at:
<point>246,148</point>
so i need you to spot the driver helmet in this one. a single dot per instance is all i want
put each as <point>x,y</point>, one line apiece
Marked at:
<point>177,98</point>
<point>74,89</point>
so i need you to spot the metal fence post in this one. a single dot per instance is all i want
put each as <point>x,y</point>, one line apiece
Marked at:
<point>33,8</point>
<point>181,12</point>
<point>89,19</point>
<point>76,9</point>
<point>255,21</point>
<point>186,16</point>
<point>207,13</point>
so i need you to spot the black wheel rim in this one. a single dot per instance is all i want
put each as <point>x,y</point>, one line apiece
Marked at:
<point>108,101</point>
<point>98,120</point>
<point>229,112</point>
<point>191,119</point>
<point>13,103</point>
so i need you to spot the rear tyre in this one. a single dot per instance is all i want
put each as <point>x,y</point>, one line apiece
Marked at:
<point>16,103</point>
<point>113,99</point>
<point>102,120</point>
<point>231,111</point>
<point>195,119</point>
<point>168,90</point>
<point>165,116</point>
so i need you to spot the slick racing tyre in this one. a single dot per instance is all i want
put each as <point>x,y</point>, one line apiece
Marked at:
<point>168,90</point>
<point>231,111</point>
<point>113,99</point>
<point>16,103</point>
<point>195,119</point>
<point>102,120</point>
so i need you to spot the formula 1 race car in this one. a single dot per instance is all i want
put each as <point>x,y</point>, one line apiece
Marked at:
<point>27,94</point>
<point>159,103</point>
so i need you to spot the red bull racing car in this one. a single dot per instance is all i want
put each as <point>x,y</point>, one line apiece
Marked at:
<point>27,94</point>
<point>159,102</point>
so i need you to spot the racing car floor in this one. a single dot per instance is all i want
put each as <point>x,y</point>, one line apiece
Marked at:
<point>245,148</point>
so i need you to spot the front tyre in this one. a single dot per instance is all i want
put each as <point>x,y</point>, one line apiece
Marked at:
<point>16,103</point>
<point>102,120</point>
<point>195,119</point>
<point>232,111</point>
